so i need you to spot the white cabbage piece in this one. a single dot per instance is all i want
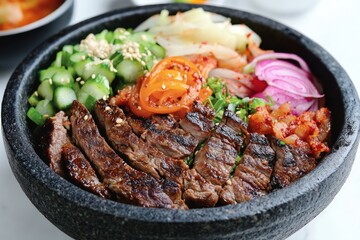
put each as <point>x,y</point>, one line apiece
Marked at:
<point>197,26</point>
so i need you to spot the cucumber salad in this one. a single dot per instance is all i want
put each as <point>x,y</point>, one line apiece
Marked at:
<point>100,65</point>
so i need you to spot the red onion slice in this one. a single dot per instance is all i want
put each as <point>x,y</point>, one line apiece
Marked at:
<point>298,104</point>
<point>286,76</point>
<point>250,67</point>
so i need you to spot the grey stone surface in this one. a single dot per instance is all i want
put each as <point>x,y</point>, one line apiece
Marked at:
<point>83,215</point>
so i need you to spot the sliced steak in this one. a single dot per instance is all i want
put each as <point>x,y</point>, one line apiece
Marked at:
<point>129,185</point>
<point>199,121</point>
<point>198,192</point>
<point>53,137</point>
<point>252,175</point>
<point>140,156</point>
<point>169,139</point>
<point>231,120</point>
<point>216,159</point>
<point>81,172</point>
<point>291,163</point>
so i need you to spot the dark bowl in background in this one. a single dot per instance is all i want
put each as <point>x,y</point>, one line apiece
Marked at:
<point>83,215</point>
<point>16,43</point>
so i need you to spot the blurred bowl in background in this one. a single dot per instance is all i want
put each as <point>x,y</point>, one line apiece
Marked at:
<point>16,43</point>
<point>286,6</point>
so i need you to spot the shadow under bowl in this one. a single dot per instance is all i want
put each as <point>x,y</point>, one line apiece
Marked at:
<point>16,43</point>
<point>83,215</point>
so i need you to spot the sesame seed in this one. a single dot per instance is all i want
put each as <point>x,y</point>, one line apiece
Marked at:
<point>107,108</point>
<point>46,115</point>
<point>82,82</point>
<point>50,81</point>
<point>228,182</point>
<point>139,107</point>
<point>36,93</point>
<point>62,80</point>
<point>178,77</point>
<point>104,97</point>
<point>143,37</point>
<point>86,117</point>
<point>93,76</point>
<point>163,86</point>
<point>78,79</point>
<point>119,120</point>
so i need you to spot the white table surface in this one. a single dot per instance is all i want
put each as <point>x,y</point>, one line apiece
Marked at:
<point>333,24</point>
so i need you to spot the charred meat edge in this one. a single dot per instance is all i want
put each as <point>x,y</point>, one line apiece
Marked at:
<point>171,140</point>
<point>139,155</point>
<point>53,135</point>
<point>216,159</point>
<point>199,121</point>
<point>252,175</point>
<point>81,172</point>
<point>290,164</point>
<point>128,184</point>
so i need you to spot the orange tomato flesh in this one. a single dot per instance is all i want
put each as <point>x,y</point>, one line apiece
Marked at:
<point>171,87</point>
<point>174,83</point>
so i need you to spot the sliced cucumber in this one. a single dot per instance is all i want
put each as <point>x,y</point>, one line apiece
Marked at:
<point>48,73</point>
<point>45,107</point>
<point>46,89</point>
<point>76,86</point>
<point>142,37</point>
<point>34,99</point>
<point>58,60</point>
<point>62,78</point>
<point>158,51</point>
<point>97,87</point>
<point>71,70</point>
<point>80,67</point>
<point>102,35</point>
<point>116,58</point>
<point>130,70</point>
<point>77,57</point>
<point>67,51</point>
<point>35,116</point>
<point>86,99</point>
<point>102,68</point>
<point>77,48</point>
<point>63,97</point>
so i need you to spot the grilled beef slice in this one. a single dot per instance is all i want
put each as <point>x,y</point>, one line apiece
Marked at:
<point>252,175</point>
<point>198,192</point>
<point>53,137</point>
<point>215,160</point>
<point>231,120</point>
<point>81,172</point>
<point>199,121</point>
<point>291,163</point>
<point>169,139</point>
<point>129,185</point>
<point>140,156</point>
